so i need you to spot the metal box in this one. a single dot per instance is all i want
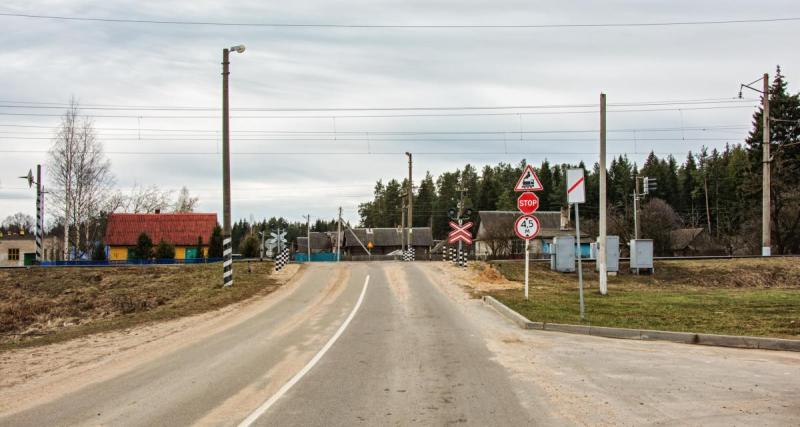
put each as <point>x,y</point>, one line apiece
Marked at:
<point>562,254</point>
<point>612,254</point>
<point>641,255</point>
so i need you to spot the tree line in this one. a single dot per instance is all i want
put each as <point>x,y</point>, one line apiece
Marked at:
<point>716,190</point>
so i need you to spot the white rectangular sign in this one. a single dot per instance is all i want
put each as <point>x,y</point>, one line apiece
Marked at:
<point>576,186</point>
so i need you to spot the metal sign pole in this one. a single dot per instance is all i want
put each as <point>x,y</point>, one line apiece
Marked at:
<point>580,266</point>
<point>527,267</point>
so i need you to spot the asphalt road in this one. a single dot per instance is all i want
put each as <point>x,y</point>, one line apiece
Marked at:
<point>389,343</point>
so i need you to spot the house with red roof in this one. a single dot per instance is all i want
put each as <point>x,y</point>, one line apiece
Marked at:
<point>190,233</point>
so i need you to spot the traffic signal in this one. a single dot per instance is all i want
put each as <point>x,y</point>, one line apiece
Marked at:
<point>451,213</point>
<point>650,184</point>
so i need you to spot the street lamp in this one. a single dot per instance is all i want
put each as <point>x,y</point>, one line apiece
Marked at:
<point>227,249</point>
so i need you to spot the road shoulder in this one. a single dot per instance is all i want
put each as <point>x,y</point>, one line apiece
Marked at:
<point>29,376</point>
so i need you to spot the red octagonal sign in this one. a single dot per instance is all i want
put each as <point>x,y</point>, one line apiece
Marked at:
<point>528,203</point>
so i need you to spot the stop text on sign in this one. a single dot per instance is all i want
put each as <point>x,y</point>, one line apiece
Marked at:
<point>528,203</point>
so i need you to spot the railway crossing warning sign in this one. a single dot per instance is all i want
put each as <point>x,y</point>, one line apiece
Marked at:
<point>460,233</point>
<point>528,181</point>
<point>576,186</point>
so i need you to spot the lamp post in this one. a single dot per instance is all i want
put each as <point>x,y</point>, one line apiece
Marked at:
<point>227,250</point>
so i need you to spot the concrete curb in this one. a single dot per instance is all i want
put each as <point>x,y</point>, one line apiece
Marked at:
<point>646,334</point>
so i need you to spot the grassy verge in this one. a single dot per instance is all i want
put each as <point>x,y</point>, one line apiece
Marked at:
<point>738,297</point>
<point>48,305</point>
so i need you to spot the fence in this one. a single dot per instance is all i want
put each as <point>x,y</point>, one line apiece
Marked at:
<point>319,256</point>
<point>107,263</point>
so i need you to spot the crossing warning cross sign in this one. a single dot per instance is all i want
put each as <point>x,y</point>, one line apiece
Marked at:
<point>460,233</point>
<point>528,181</point>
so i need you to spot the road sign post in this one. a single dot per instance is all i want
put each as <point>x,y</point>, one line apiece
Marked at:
<point>460,234</point>
<point>576,194</point>
<point>527,226</point>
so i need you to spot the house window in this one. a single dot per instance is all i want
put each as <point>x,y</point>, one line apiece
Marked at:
<point>13,254</point>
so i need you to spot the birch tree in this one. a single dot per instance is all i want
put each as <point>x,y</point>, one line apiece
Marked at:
<point>80,176</point>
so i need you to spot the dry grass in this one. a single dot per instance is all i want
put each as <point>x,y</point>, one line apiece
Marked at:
<point>741,297</point>
<point>46,305</point>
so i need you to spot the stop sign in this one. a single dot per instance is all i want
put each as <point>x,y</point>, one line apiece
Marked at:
<point>527,203</point>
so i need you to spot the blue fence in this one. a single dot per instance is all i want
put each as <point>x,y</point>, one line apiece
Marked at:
<point>319,256</point>
<point>89,263</point>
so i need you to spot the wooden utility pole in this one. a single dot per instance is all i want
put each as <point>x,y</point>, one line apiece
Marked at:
<point>410,200</point>
<point>339,237</point>
<point>601,243</point>
<point>708,209</point>
<point>766,245</point>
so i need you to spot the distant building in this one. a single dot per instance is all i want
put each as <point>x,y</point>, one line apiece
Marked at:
<point>385,241</point>
<point>179,229</point>
<point>694,241</point>
<point>496,237</point>
<point>17,250</point>
<point>320,242</point>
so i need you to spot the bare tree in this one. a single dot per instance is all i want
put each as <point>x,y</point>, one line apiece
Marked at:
<point>498,237</point>
<point>185,202</point>
<point>658,219</point>
<point>140,200</point>
<point>19,222</point>
<point>80,175</point>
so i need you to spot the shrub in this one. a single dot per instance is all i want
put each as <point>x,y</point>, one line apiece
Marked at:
<point>165,250</point>
<point>144,247</point>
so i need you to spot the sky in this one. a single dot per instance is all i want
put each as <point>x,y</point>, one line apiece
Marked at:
<point>319,114</point>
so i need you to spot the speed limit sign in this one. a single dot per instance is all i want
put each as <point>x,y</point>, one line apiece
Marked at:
<point>527,227</point>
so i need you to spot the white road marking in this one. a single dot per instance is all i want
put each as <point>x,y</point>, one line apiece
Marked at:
<point>261,410</point>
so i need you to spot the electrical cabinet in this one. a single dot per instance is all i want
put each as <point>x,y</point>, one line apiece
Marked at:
<point>612,254</point>
<point>641,255</point>
<point>562,254</point>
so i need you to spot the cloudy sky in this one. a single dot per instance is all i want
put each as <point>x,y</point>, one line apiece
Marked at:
<point>321,113</point>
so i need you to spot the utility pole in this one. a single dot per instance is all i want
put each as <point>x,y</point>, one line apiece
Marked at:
<point>403,225</point>
<point>227,247</point>
<point>410,201</point>
<point>339,237</point>
<point>766,204</point>
<point>308,235</point>
<point>39,215</point>
<point>766,245</point>
<point>601,243</point>
<point>636,209</point>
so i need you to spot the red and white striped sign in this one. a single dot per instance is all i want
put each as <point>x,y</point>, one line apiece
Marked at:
<point>576,186</point>
<point>460,233</point>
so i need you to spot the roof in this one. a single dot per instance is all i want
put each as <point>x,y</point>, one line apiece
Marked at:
<point>180,229</point>
<point>421,236</point>
<point>319,241</point>
<point>500,224</point>
<point>683,237</point>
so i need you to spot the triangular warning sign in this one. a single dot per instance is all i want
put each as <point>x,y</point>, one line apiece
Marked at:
<point>528,181</point>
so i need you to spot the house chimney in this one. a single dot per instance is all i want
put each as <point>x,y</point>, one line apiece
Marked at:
<point>565,218</point>
<point>158,211</point>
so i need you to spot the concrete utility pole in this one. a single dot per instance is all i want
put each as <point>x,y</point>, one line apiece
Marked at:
<point>339,237</point>
<point>39,215</point>
<point>410,200</point>
<point>308,235</point>
<point>601,243</point>
<point>766,245</point>
<point>227,247</point>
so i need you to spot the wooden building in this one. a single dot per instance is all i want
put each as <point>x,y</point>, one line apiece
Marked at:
<point>385,241</point>
<point>183,230</point>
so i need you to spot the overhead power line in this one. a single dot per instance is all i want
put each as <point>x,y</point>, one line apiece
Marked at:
<point>370,116</point>
<point>110,107</point>
<point>397,26</point>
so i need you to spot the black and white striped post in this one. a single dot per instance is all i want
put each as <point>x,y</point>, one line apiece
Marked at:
<point>39,214</point>
<point>227,262</point>
<point>227,251</point>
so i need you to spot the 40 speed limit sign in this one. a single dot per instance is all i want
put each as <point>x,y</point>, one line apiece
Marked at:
<point>527,227</point>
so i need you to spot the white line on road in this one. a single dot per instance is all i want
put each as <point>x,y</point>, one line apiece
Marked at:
<point>298,376</point>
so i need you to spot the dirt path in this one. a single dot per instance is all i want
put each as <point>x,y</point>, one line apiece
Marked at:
<point>58,368</point>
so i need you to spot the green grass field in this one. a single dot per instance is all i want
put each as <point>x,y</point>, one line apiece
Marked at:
<point>739,297</point>
<point>47,305</point>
